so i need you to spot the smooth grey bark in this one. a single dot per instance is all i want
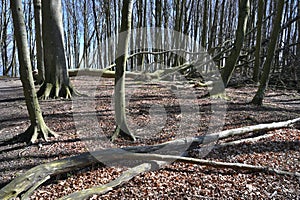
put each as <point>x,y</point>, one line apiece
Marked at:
<point>39,42</point>
<point>259,96</point>
<point>121,60</point>
<point>38,127</point>
<point>57,83</point>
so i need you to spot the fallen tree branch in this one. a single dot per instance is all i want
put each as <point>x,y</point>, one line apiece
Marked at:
<point>259,127</point>
<point>182,51</point>
<point>35,175</point>
<point>29,179</point>
<point>168,158</point>
<point>236,142</point>
<point>126,176</point>
<point>106,73</point>
<point>216,164</point>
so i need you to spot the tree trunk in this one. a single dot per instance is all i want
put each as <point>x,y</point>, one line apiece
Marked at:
<point>57,83</point>
<point>38,127</point>
<point>204,25</point>
<point>39,42</point>
<point>260,14</point>
<point>298,52</point>
<point>122,54</point>
<point>259,96</point>
<point>240,34</point>
<point>4,36</point>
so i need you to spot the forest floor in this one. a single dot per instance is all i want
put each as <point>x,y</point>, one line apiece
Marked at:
<point>163,121</point>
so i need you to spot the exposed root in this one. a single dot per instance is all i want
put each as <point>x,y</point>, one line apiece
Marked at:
<point>126,134</point>
<point>35,132</point>
<point>49,91</point>
<point>40,132</point>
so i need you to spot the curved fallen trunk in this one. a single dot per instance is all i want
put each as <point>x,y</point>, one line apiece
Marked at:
<point>107,73</point>
<point>126,176</point>
<point>31,179</point>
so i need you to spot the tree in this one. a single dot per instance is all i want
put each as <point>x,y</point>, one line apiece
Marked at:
<point>240,34</point>
<point>57,82</point>
<point>260,15</point>
<point>298,52</point>
<point>38,128</point>
<point>39,42</point>
<point>122,52</point>
<point>259,96</point>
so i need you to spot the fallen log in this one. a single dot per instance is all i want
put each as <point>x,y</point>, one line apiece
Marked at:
<point>107,73</point>
<point>126,176</point>
<point>32,177</point>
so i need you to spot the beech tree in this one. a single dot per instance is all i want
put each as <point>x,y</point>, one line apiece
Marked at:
<point>258,40</point>
<point>122,52</point>
<point>38,128</point>
<point>39,42</point>
<point>259,96</point>
<point>298,53</point>
<point>240,34</point>
<point>57,82</point>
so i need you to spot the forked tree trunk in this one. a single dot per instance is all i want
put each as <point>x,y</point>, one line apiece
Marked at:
<point>259,96</point>
<point>38,126</point>
<point>57,83</point>
<point>122,53</point>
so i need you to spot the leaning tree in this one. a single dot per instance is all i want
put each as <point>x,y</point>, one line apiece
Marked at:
<point>231,60</point>
<point>57,82</point>
<point>38,128</point>
<point>264,80</point>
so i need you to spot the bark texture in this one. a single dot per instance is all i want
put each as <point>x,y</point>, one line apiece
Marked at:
<point>38,127</point>
<point>259,96</point>
<point>122,53</point>
<point>57,82</point>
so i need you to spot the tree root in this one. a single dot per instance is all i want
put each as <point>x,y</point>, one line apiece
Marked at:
<point>40,132</point>
<point>49,91</point>
<point>33,133</point>
<point>37,131</point>
<point>119,132</point>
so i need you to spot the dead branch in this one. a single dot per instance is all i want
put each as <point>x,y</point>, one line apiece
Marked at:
<point>182,51</point>
<point>126,176</point>
<point>259,127</point>
<point>106,73</point>
<point>236,166</point>
<point>36,175</point>
<point>236,142</point>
